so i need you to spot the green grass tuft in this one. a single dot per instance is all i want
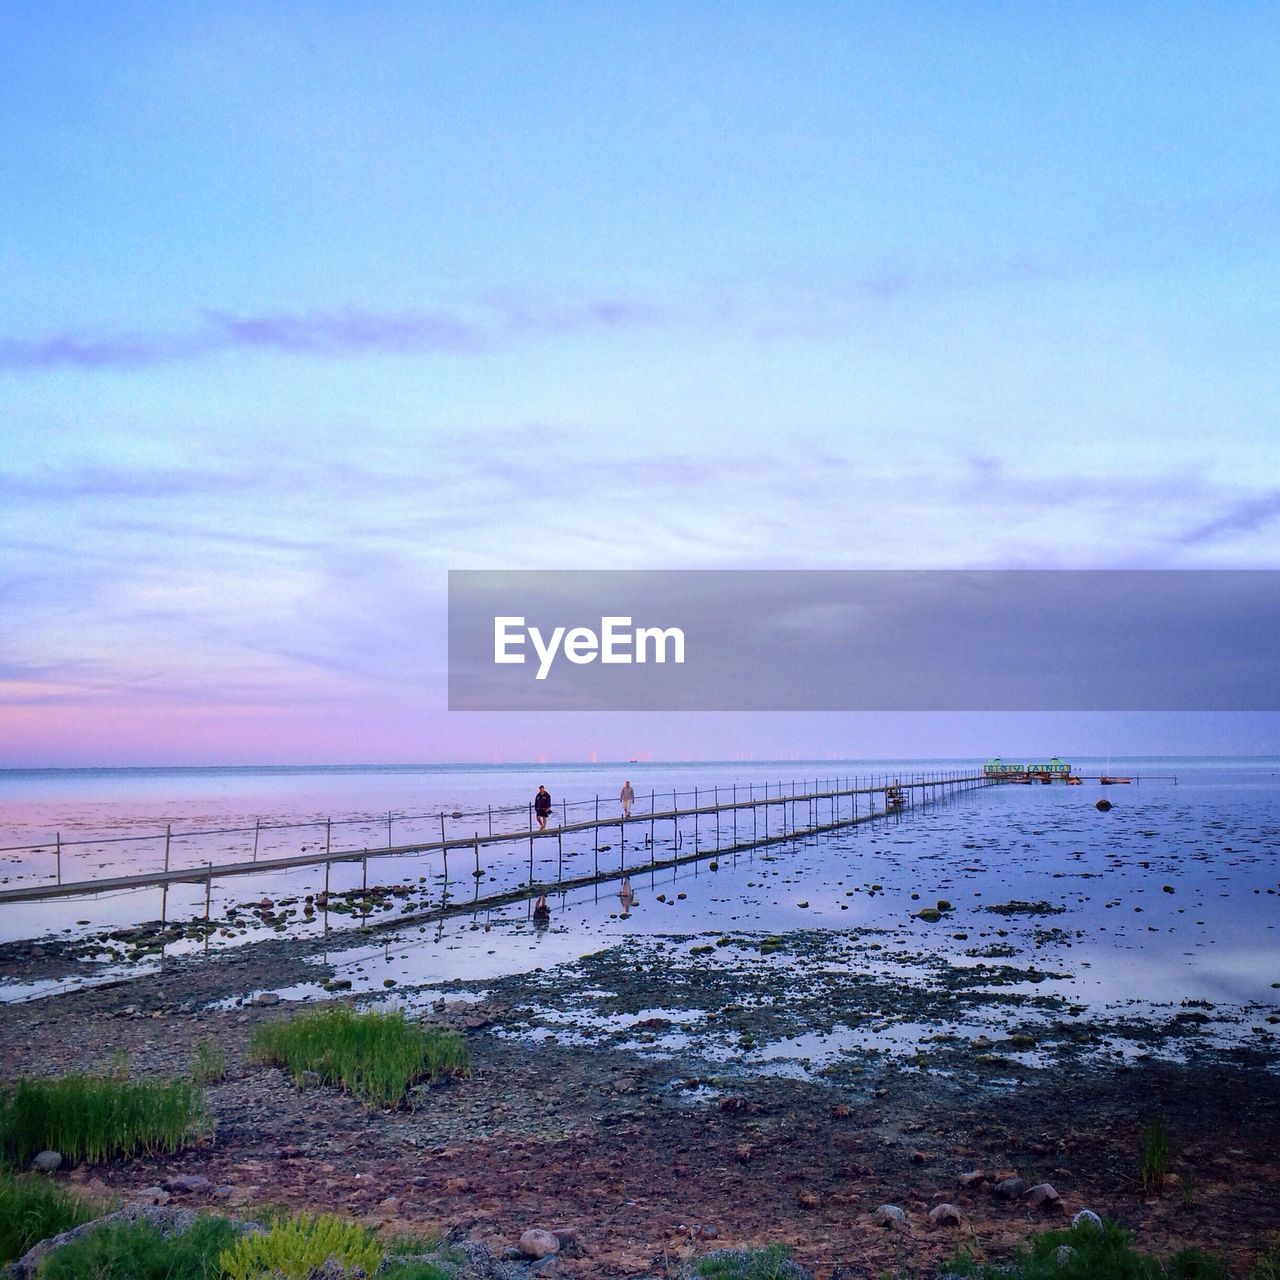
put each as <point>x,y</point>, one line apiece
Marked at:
<point>417,1270</point>
<point>1154,1156</point>
<point>208,1063</point>
<point>95,1118</point>
<point>1087,1253</point>
<point>140,1251</point>
<point>32,1208</point>
<point>292,1249</point>
<point>756,1264</point>
<point>375,1056</point>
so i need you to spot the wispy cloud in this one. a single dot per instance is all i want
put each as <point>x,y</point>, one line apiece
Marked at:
<point>1244,517</point>
<point>346,332</point>
<point>120,483</point>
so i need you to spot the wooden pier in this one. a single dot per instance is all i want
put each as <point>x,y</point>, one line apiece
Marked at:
<point>748,823</point>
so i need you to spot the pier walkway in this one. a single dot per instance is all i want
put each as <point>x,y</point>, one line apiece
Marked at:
<point>741,822</point>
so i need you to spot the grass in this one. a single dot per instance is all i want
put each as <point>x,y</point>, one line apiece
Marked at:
<point>32,1208</point>
<point>375,1056</point>
<point>756,1264</point>
<point>208,1063</point>
<point>292,1249</point>
<point>1267,1266</point>
<point>1090,1254</point>
<point>1154,1156</point>
<point>141,1251</point>
<point>95,1118</point>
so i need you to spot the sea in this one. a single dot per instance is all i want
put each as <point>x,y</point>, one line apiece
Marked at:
<point>1169,898</point>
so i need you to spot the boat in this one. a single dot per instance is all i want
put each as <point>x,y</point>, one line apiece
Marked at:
<point>1107,780</point>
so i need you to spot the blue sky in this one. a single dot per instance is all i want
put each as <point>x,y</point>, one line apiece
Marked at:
<point>306,304</point>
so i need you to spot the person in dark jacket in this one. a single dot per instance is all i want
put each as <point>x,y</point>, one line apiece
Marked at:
<point>542,807</point>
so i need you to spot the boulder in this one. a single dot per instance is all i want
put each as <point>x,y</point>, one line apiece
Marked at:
<point>47,1162</point>
<point>946,1215</point>
<point>1042,1196</point>
<point>889,1215</point>
<point>1009,1188</point>
<point>536,1243</point>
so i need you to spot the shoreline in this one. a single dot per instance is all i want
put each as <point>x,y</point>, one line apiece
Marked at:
<point>650,1157</point>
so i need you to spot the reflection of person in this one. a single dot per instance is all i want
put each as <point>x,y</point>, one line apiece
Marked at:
<point>626,894</point>
<point>542,807</point>
<point>627,796</point>
<point>541,910</point>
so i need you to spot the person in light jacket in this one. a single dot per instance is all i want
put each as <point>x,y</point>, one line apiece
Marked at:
<point>628,798</point>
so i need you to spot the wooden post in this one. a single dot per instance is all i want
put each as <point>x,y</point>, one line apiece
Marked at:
<point>168,831</point>
<point>388,828</point>
<point>477,848</point>
<point>364,876</point>
<point>208,892</point>
<point>531,852</point>
<point>328,837</point>
<point>491,819</point>
<point>257,827</point>
<point>559,856</point>
<point>442,828</point>
<point>59,857</point>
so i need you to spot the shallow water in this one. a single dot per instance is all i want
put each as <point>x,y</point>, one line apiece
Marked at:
<point>1171,897</point>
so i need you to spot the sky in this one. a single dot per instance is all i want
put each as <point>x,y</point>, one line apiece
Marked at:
<point>304,305</point>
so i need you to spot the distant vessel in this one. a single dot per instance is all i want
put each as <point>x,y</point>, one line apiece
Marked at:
<point>1108,781</point>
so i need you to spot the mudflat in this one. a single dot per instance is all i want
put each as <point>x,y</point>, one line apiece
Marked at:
<point>657,1143</point>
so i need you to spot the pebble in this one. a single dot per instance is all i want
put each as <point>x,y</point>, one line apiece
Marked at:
<point>1086,1218</point>
<point>946,1215</point>
<point>1009,1189</point>
<point>972,1178</point>
<point>536,1243</point>
<point>188,1184</point>
<point>889,1215</point>
<point>1042,1196</point>
<point>267,998</point>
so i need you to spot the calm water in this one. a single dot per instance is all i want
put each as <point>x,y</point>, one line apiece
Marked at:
<point>1173,895</point>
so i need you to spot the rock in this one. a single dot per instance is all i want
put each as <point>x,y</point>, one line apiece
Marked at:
<point>47,1162</point>
<point>743,1153</point>
<point>151,1195</point>
<point>889,1215</point>
<point>188,1184</point>
<point>840,1111</point>
<point>946,1215</point>
<point>1102,806</point>
<point>1009,1188</point>
<point>536,1243</point>
<point>1086,1218</point>
<point>267,998</point>
<point>972,1178</point>
<point>809,1200</point>
<point>1042,1196</point>
<point>1063,1254</point>
<point>548,1266</point>
<point>568,1236</point>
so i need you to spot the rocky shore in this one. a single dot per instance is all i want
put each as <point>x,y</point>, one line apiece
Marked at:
<point>648,1158</point>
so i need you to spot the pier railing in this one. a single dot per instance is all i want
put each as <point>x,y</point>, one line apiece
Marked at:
<point>746,816</point>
